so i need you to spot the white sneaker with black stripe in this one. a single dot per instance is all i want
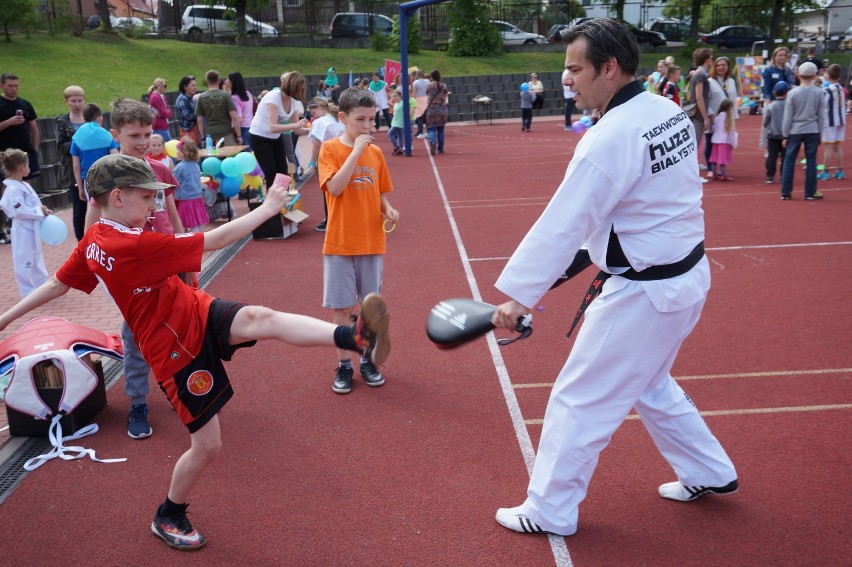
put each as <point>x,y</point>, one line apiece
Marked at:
<point>681,493</point>
<point>517,521</point>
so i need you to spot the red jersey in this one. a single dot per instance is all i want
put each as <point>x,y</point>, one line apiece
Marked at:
<point>139,270</point>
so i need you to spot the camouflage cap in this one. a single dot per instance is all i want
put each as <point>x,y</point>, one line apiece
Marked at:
<point>117,171</point>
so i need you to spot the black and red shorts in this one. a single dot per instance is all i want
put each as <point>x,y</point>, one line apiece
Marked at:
<point>201,388</point>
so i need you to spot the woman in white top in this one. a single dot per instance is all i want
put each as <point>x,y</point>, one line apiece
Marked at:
<point>722,86</point>
<point>279,112</point>
<point>537,90</point>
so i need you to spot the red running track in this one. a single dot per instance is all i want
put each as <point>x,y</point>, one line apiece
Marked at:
<point>411,473</point>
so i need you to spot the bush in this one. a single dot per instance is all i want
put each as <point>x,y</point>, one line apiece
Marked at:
<point>380,42</point>
<point>415,39</point>
<point>471,32</point>
<point>689,46</point>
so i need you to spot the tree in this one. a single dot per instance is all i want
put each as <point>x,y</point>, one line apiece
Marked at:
<point>103,10</point>
<point>20,14</point>
<point>240,8</point>
<point>471,32</point>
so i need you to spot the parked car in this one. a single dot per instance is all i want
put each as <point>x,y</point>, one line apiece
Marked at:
<point>734,36</point>
<point>513,36</point>
<point>359,24</point>
<point>125,23</point>
<point>199,19</point>
<point>94,22</point>
<point>676,31</point>
<point>552,34</point>
<point>645,37</point>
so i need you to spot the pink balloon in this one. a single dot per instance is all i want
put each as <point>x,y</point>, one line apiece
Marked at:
<point>578,127</point>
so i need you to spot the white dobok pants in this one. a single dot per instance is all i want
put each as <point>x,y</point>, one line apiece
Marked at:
<point>621,360</point>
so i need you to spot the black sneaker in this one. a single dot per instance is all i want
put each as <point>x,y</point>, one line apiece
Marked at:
<point>177,531</point>
<point>371,329</point>
<point>371,374</point>
<point>137,422</point>
<point>769,180</point>
<point>321,226</point>
<point>342,380</point>
<point>815,197</point>
<point>786,198</point>
<point>432,147</point>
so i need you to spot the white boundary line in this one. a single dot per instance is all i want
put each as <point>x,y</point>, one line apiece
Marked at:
<point>717,249</point>
<point>557,543</point>
<point>715,376</point>
<point>745,411</point>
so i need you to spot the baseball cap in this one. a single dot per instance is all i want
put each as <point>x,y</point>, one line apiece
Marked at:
<point>117,171</point>
<point>781,87</point>
<point>807,69</point>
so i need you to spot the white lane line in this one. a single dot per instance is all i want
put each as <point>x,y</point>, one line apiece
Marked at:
<point>759,246</point>
<point>557,543</point>
<point>716,249</point>
<point>747,411</point>
<point>715,376</point>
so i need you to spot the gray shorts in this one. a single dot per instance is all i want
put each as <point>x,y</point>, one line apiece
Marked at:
<point>346,279</point>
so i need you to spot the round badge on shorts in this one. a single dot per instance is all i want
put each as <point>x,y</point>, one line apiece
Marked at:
<point>199,383</point>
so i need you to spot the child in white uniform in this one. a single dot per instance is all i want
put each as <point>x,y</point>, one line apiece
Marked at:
<point>21,204</point>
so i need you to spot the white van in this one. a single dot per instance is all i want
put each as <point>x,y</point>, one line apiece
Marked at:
<point>201,19</point>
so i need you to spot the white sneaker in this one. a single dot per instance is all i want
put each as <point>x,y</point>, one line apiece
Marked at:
<point>421,136</point>
<point>710,175</point>
<point>702,167</point>
<point>517,521</point>
<point>681,493</point>
<point>704,180</point>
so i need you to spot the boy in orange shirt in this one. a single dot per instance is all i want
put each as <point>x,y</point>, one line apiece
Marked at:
<point>354,174</point>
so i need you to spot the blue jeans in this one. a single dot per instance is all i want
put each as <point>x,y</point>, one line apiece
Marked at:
<point>395,136</point>
<point>436,136</point>
<point>135,368</point>
<point>811,143</point>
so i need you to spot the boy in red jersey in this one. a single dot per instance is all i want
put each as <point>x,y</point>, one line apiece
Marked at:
<point>182,332</point>
<point>131,125</point>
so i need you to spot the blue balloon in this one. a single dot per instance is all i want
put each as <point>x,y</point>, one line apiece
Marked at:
<point>230,186</point>
<point>525,87</point>
<point>211,166</point>
<point>231,167</point>
<point>578,127</point>
<point>52,230</point>
<point>586,119</point>
<point>246,161</point>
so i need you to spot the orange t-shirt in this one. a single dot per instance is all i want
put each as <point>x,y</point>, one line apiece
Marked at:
<point>355,219</point>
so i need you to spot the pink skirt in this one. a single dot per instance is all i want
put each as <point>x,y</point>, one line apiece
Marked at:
<point>192,213</point>
<point>723,154</point>
<point>421,105</point>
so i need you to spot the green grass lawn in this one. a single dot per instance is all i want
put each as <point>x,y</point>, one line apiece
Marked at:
<point>108,66</point>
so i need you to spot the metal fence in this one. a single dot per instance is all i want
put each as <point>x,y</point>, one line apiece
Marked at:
<point>312,17</point>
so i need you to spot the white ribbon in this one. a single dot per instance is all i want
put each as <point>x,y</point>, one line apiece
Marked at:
<point>54,434</point>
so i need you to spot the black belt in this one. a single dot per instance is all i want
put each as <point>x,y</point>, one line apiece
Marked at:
<point>663,272</point>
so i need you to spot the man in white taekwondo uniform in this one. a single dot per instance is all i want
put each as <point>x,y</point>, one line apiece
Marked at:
<point>632,192</point>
